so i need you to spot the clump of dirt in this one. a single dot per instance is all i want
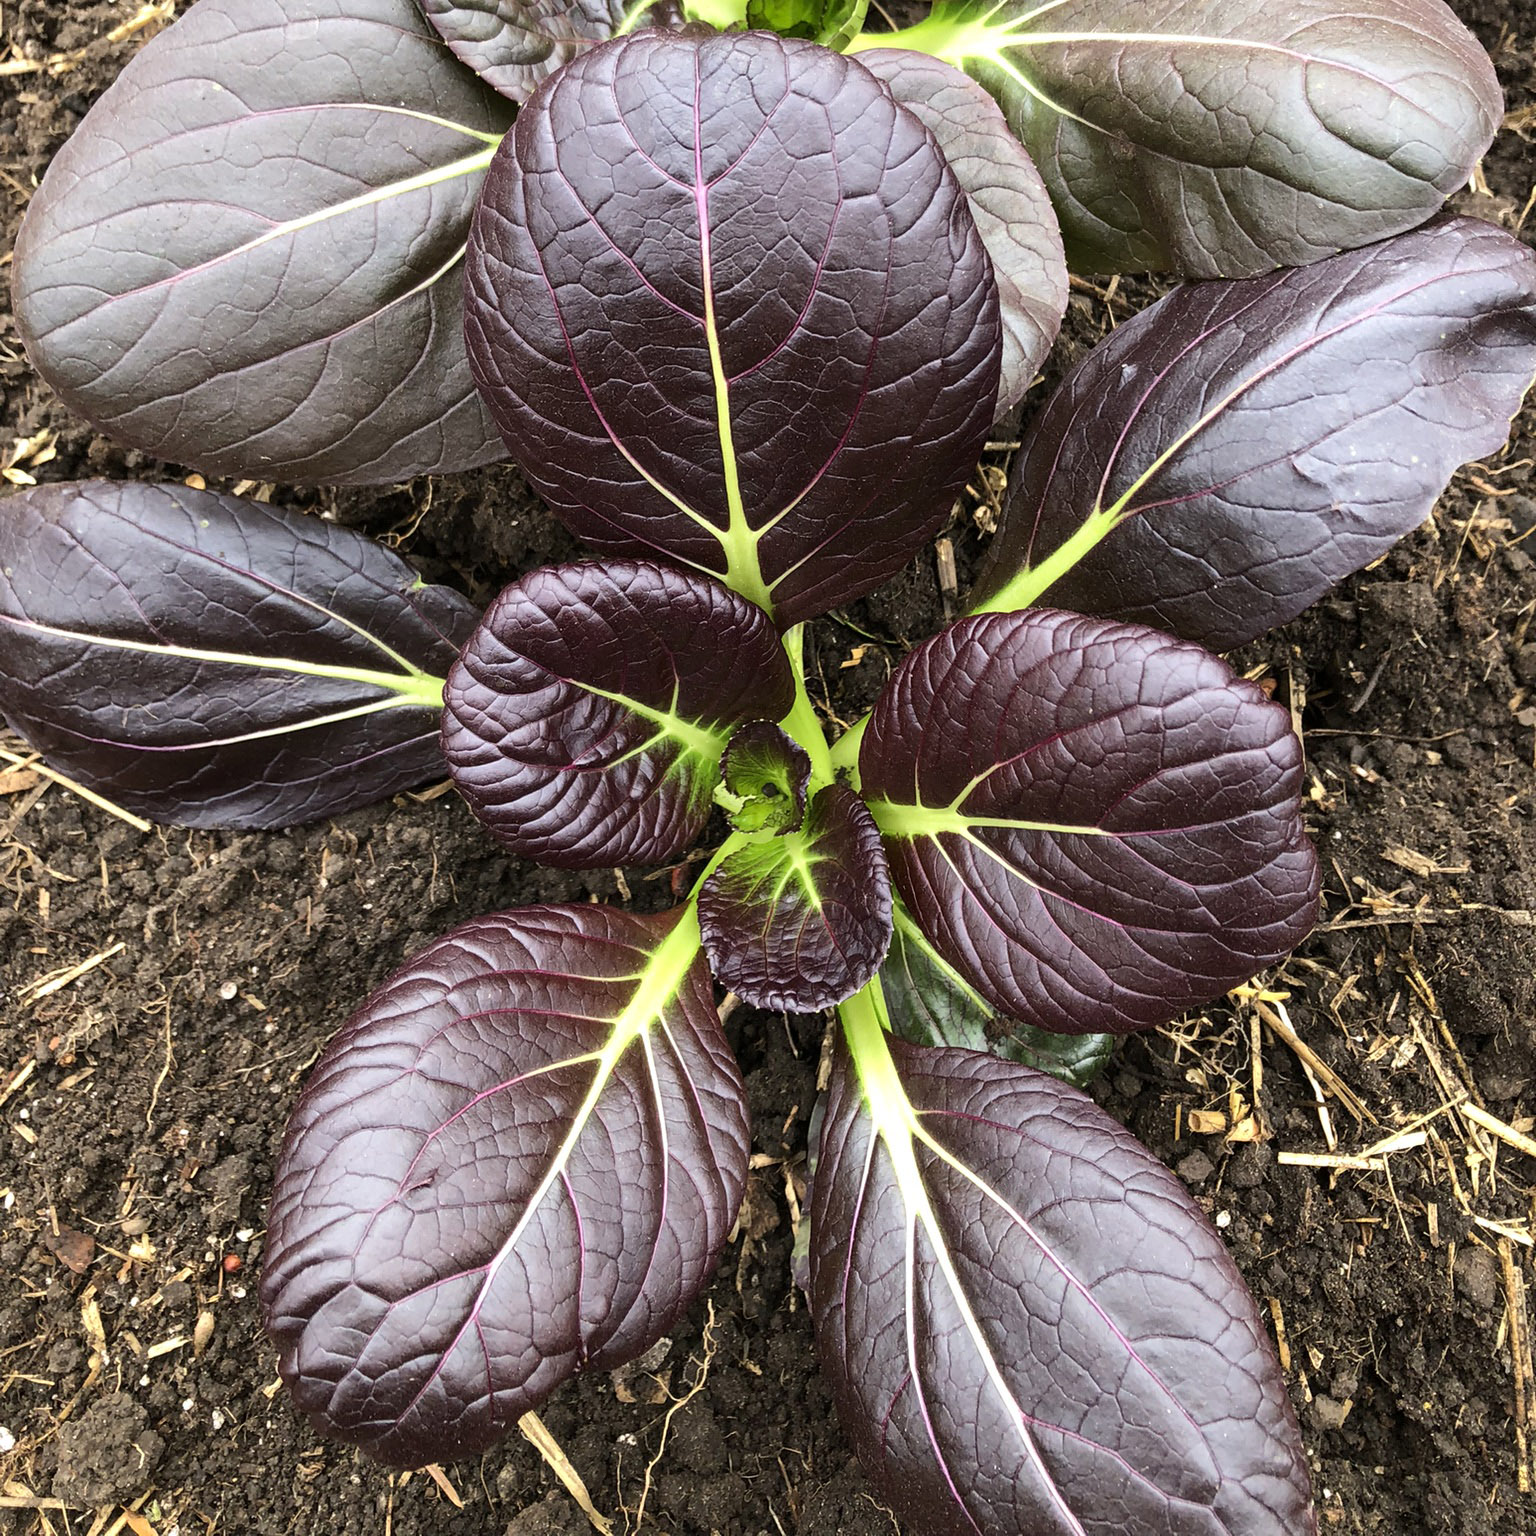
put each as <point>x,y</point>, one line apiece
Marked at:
<point>164,993</point>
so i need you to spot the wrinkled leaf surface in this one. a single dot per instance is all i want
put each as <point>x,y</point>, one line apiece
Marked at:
<point>519,1159</point>
<point>1028,1326</point>
<point>1007,198</point>
<point>513,44</point>
<point>1097,825</point>
<point>1221,138</point>
<point>1230,453</point>
<point>728,307</point>
<point>248,257</point>
<point>586,718</point>
<point>209,661</point>
<point>770,771</point>
<point>802,920</point>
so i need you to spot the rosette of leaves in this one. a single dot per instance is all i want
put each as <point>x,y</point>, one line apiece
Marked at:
<point>731,309</point>
<point>249,257</point>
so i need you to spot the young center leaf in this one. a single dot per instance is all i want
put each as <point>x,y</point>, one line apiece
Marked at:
<point>1221,138</point>
<point>212,662</point>
<point>513,44</point>
<point>1097,825</point>
<point>728,307</point>
<point>248,257</point>
<point>586,718</point>
<point>1027,1324</point>
<point>1230,453</point>
<point>832,23</point>
<point>928,1002</point>
<point>1007,199</point>
<point>802,920</point>
<point>519,1159</point>
<point>769,773</point>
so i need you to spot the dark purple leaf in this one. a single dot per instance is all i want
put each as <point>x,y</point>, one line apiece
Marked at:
<point>513,44</point>
<point>729,308</point>
<point>209,661</point>
<point>928,1002</point>
<point>802,920</point>
<point>1007,198</point>
<point>1221,138</point>
<point>519,1159</point>
<point>1230,453</point>
<point>586,718</point>
<point>1097,825</point>
<point>769,772</point>
<point>249,255</point>
<point>1027,1323</point>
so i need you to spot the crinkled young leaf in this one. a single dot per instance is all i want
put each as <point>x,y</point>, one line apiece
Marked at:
<point>770,772</point>
<point>1027,1323</point>
<point>832,23</point>
<point>928,1002</point>
<point>248,257</point>
<point>585,721</point>
<point>513,44</point>
<point>1229,454</point>
<point>802,920</point>
<point>1221,138</point>
<point>205,660</point>
<point>729,308</point>
<point>1097,825</point>
<point>1007,198</point>
<point>519,1159</point>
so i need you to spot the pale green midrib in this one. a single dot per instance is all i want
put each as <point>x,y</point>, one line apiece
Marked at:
<point>414,688</point>
<point>484,137</point>
<point>694,738</point>
<point>801,724</point>
<point>865,1019</point>
<point>658,984</point>
<point>844,752</point>
<point>1033,581</point>
<point>1025,588</point>
<point>313,722</point>
<point>911,821</point>
<point>743,568</point>
<point>467,166</point>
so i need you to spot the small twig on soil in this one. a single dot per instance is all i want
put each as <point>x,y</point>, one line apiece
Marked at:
<point>1519,1350</point>
<point>1279,1022</point>
<point>1497,1127</point>
<point>46,986</point>
<point>559,1463</point>
<point>99,801</point>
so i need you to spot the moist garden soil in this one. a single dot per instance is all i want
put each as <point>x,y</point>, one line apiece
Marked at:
<point>162,994</point>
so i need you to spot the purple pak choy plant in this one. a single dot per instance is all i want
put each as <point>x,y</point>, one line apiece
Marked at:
<point>744,309</point>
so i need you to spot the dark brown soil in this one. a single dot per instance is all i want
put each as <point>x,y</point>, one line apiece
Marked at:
<point>143,1100</point>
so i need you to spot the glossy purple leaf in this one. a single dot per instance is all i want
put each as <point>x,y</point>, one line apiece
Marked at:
<point>1028,1325</point>
<point>770,772</point>
<point>729,308</point>
<point>209,661</point>
<point>1222,138</point>
<point>802,920</point>
<point>248,257</point>
<point>586,718</point>
<point>519,1159</point>
<point>513,44</point>
<point>1227,455</point>
<point>1097,825</point>
<point>1007,198</point>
